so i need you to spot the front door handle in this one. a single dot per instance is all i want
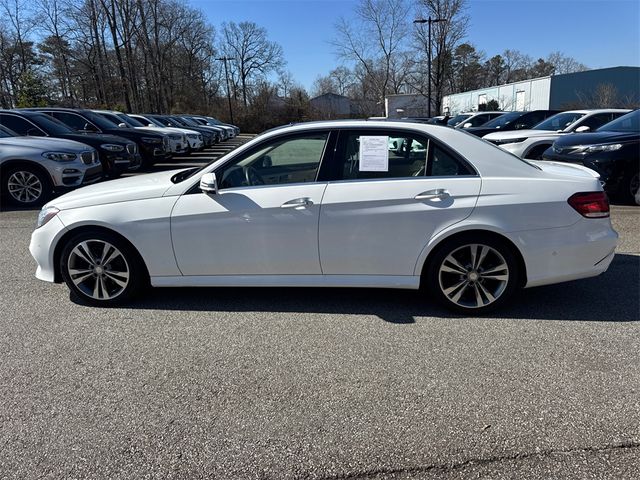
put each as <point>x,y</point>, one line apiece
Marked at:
<point>438,193</point>
<point>297,203</point>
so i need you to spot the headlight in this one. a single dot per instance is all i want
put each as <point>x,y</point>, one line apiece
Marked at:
<point>505,141</point>
<point>112,147</point>
<point>599,148</point>
<point>153,140</point>
<point>45,215</point>
<point>60,156</point>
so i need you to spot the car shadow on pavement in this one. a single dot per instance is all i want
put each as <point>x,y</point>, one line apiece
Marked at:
<point>611,297</point>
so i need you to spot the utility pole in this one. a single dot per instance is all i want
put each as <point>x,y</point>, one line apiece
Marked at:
<point>226,74</point>
<point>429,21</point>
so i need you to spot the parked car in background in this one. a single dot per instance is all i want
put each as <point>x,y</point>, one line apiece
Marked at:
<point>613,151</point>
<point>317,205</point>
<point>231,129</point>
<point>187,122</point>
<point>116,154</point>
<point>177,141</point>
<point>531,143</point>
<point>209,137</point>
<point>512,121</point>
<point>195,141</point>
<point>473,119</point>
<point>32,168</point>
<point>152,146</point>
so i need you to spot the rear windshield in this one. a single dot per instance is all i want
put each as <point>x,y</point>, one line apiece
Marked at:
<point>559,121</point>
<point>503,120</point>
<point>626,123</point>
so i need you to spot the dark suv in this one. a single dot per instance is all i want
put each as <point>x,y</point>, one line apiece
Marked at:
<point>512,121</point>
<point>152,146</point>
<point>116,154</point>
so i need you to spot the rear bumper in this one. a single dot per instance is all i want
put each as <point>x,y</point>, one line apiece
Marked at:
<point>556,255</point>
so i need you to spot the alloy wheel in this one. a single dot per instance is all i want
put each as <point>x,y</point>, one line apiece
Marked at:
<point>98,269</point>
<point>473,276</point>
<point>24,186</point>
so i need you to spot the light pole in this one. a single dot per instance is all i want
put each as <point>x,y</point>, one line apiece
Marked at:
<point>226,74</point>
<point>429,21</point>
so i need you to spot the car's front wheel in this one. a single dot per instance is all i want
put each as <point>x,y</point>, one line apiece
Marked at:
<point>101,269</point>
<point>26,186</point>
<point>473,274</point>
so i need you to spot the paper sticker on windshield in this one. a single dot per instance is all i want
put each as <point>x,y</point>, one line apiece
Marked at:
<point>374,154</point>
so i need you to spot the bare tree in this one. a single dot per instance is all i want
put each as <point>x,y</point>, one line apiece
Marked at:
<point>446,35</point>
<point>254,55</point>
<point>377,43</point>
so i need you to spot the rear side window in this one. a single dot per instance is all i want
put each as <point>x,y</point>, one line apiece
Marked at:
<point>373,155</point>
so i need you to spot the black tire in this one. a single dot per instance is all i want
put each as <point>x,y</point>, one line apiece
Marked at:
<point>26,186</point>
<point>100,282</point>
<point>440,283</point>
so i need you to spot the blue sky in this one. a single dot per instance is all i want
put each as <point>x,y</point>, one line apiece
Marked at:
<point>598,33</point>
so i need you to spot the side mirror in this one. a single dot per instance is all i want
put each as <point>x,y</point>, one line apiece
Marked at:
<point>266,161</point>
<point>467,125</point>
<point>32,132</point>
<point>88,127</point>
<point>122,125</point>
<point>582,129</point>
<point>209,184</point>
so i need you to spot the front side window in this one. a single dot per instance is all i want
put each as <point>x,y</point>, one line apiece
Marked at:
<point>290,160</point>
<point>626,123</point>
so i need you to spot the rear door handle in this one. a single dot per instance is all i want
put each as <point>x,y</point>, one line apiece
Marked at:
<point>438,193</point>
<point>297,203</point>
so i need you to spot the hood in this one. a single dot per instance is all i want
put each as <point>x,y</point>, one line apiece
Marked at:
<point>596,138</point>
<point>479,131</point>
<point>139,187</point>
<point>45,144</point>
<point>524,133</point>
<point>160,130</point>
<point>97,137</point>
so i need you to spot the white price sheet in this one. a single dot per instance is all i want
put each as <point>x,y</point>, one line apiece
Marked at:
<point>374,154</point>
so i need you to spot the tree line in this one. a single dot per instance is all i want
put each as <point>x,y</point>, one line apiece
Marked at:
<point>165,56</point>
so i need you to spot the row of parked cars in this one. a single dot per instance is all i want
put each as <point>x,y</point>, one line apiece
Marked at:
<point>604,140</point>
<point>48,149</point>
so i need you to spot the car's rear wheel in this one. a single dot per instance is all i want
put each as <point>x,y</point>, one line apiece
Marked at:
<point>473,274</point>
<point>101,269</point>
<point>26,186</point>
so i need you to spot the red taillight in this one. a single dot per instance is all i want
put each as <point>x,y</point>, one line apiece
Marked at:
<point>590,204</point>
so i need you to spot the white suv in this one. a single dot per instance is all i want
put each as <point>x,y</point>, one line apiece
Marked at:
<point>533,142</point>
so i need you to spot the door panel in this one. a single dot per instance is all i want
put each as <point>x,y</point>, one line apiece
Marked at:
<point>247,231</point>
<point>372,227</point>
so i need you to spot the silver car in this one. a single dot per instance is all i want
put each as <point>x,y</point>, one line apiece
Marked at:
<point>32,168</point>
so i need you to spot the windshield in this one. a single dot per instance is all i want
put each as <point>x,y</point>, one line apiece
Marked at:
<point>626,123</point>
<point>215,121</point>
<point>458,119</point>
<point>503,120</point>
<point>132,122</point>
<point>6,133</point>
<point>51,125</point>
<point>98,120</point>
<point>559,121</point>
<point>151,120</point>
<point>188,121</point>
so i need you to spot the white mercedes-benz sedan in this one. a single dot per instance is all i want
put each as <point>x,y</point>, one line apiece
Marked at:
<point>339,204</point>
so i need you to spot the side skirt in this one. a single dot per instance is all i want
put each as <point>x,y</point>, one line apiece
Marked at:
<point>357,281</point>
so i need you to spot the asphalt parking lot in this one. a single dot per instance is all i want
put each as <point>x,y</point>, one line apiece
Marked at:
<point>318,383</point>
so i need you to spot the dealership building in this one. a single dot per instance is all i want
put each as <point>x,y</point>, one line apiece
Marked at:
<point>556,92</point>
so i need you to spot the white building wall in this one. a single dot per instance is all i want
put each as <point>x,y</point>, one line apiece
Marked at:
<point>535,92</point>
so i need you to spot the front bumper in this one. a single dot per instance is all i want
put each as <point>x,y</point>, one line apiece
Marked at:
<point>41,248</point>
